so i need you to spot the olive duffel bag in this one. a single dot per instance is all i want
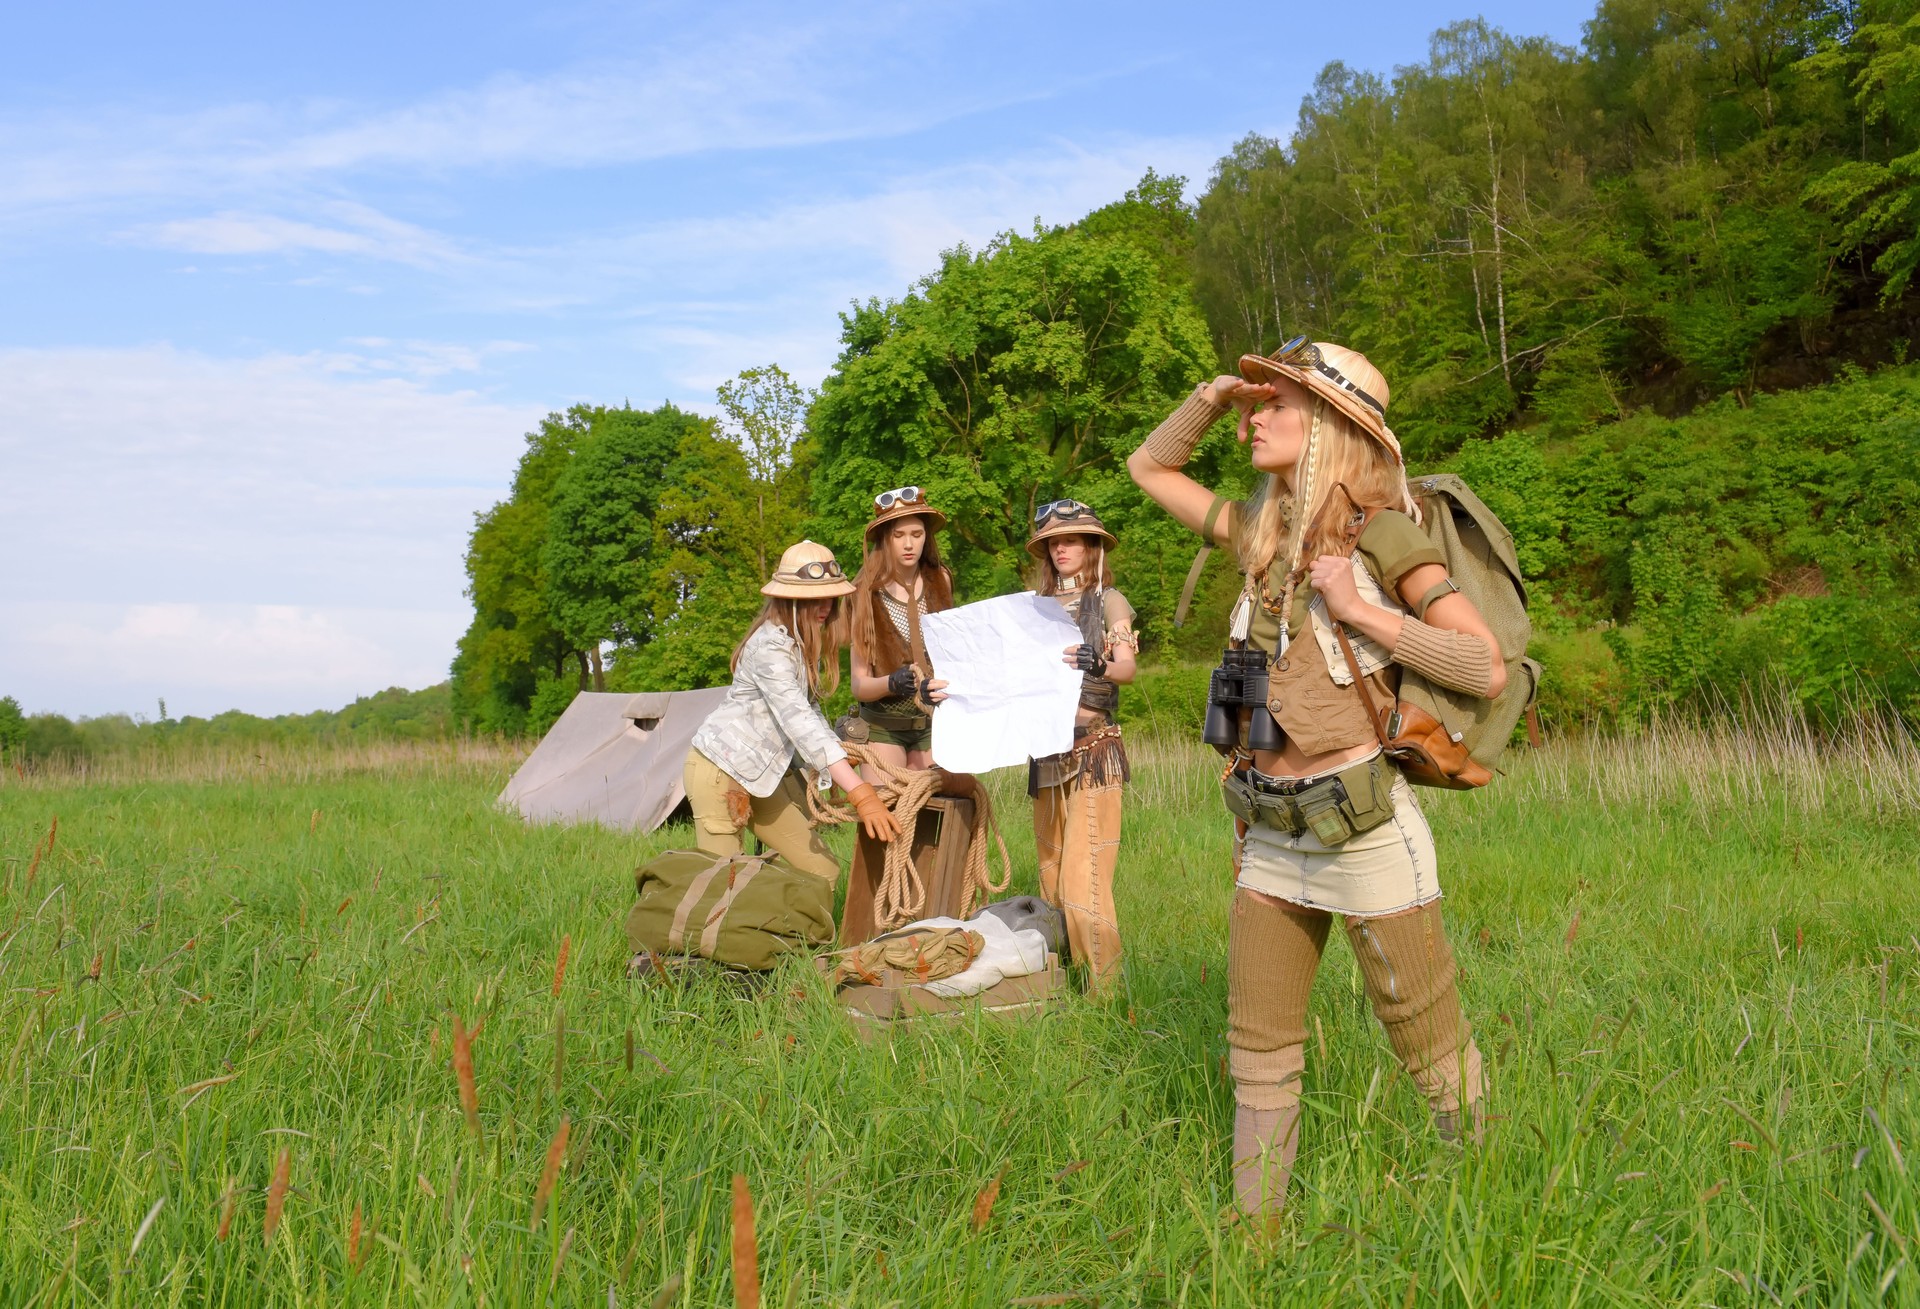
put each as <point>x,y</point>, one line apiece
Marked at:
<point>744,911</point>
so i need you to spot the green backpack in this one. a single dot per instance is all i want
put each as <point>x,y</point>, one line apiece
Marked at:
<point>1480,558</point>
<point>745,911</point>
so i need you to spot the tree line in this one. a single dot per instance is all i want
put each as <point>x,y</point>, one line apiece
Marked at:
<point>1584,269</point>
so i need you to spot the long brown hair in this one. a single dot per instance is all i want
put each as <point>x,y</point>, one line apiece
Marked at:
<point>820,643</point>
<point>1045,578</point>
<point>1343,472</point>
<point>875,638</point>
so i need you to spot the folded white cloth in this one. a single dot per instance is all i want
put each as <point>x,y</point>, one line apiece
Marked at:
<point>1007,953</point>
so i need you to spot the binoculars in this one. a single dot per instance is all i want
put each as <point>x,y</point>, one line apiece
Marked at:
<point>1240,682</point>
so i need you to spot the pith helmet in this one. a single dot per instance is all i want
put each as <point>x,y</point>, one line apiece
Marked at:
<point>1343,378</point>
<point>1065,518</point>
<point>903,502</point>
<point>808,571</point>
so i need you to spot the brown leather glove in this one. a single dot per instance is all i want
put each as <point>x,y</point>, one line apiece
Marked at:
<point>875,818</point>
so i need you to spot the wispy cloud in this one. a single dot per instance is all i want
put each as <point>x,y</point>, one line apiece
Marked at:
<point>353,229</point>
<point>717,84</point>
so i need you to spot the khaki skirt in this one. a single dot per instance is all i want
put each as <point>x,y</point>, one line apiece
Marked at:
<point>1384,870</point>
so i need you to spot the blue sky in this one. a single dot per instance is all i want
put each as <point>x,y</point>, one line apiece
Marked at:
<point>283,289</point>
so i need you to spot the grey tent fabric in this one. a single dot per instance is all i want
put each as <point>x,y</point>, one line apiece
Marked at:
<point>612,759</point>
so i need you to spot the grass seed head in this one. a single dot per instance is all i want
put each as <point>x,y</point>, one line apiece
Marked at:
<point>277,1193</point>
<point>227,1202</point>
<point>983,1202</point>
<point>746,1252</point>
<point>463,1073</point>
<point>353,1241</point>
<point>556,1151</point>
<point>560,967</point>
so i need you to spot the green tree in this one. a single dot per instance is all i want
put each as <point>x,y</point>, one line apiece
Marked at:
<point>1014,375</point>
<point>512,640</point>
<point>734,497</point>
<point>13,726</point>
<point>598,555</point>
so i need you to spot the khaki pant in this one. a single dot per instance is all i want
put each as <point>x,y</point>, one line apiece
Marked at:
<point>779,820</point>
<point>1273,951</point>
<point>1076,828</point>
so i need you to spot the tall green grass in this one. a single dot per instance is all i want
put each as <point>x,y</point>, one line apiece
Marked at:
<point>1690,959</point>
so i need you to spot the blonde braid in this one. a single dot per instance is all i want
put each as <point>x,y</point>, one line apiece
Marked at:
<point>1302,511</point>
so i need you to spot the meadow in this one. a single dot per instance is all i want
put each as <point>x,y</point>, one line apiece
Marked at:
<point>230,984</point>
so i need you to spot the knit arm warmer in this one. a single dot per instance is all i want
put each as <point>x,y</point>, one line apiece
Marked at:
<point>1455,660</point>
<point>1174,441</point>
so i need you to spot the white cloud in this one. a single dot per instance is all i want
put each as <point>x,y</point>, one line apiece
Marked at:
<point>203,659</point>
<point>305,484</point>
<point>356,230</point>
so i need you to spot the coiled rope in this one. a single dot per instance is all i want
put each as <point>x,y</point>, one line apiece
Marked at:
<point>901,896</point>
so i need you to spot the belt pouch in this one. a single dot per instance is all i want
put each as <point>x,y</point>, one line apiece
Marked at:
<point>1325,808</point>
<point>1240,796</point>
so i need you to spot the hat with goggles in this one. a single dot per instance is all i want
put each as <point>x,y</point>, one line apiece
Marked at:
<point>903,502</point>
<point>808,571</point>
<point>1343,378</point>
<point>1065,518</point>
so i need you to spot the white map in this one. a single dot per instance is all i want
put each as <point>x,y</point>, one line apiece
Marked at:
<point>1009,695</point>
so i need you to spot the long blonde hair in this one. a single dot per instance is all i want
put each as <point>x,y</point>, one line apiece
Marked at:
<point>820,643</point>
<point>1343,472</point>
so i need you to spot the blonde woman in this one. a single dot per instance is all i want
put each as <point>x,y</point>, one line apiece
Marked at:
<point>1076,795</point>
<point>1325,823</point>
<point>741,773</point>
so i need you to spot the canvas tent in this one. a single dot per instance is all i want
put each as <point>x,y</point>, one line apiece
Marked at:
<point>612,759</point>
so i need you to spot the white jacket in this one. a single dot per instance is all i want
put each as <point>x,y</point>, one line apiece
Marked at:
<point>768,717</point>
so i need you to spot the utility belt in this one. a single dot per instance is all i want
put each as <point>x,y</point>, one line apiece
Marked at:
<point>894,721</point>
<point>1098,755</point>
<point>1333,806</point>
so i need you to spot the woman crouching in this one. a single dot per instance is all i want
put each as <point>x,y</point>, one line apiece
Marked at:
<point>741,772</point>
<point>1076,795</point>
<point>1327,825</point>
<point>901,581</point>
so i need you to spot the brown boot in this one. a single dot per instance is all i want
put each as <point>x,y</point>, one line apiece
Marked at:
<point>1265,1142</point>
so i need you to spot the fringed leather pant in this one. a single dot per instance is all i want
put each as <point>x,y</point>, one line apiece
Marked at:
<point>1076,829</point>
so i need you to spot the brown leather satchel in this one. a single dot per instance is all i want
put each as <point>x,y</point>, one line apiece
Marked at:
<point>1414,739</point>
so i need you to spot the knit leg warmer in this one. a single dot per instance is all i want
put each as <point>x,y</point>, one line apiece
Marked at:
<point>1273,951</point>
<point>1172,443</point>
<point>1410,978</point>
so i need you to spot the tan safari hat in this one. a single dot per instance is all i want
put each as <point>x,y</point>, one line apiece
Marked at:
<point>1343,378</point>
<point>808,571</point>
<point>1065,518</point>
<point>903,502</point>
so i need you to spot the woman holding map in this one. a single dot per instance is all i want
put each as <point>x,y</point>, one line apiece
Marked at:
<point>901,581</point>
<point>1326,823</point>
<point>742,770</point>
<point>1076,795</point>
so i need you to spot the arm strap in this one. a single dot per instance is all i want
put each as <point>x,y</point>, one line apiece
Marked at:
<point>1445,586</point>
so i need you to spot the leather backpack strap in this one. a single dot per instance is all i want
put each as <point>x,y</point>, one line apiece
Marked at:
<point>1378,719</point>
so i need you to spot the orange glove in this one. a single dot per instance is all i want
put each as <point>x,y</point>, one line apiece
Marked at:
<point>875,818</point>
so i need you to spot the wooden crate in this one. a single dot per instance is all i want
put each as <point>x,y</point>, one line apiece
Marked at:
<point>940,841</point>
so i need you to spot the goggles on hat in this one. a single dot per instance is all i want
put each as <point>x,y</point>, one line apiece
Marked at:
<point>900,495</point>
<point>1062,509</point>
<point>817,570</point>
<point>1302,353</point>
